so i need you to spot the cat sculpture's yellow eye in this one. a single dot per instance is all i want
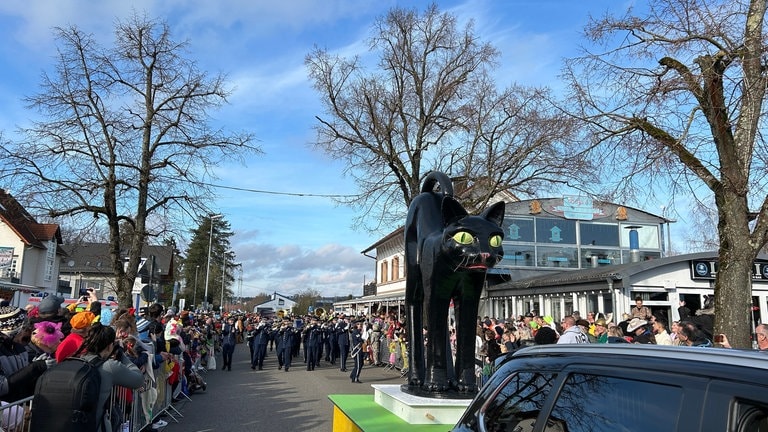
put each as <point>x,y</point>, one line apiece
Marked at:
<point>463,237</point>
<point>495,241</point>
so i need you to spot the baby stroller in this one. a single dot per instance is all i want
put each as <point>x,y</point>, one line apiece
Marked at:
<point>195,380</point>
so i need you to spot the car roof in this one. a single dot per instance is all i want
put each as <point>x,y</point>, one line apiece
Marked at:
<point>617,352</point>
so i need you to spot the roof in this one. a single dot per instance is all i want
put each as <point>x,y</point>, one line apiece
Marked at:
<point>95,258</point>
<point>24,225</point>
<point>396,233</point>
<point>614,272</point>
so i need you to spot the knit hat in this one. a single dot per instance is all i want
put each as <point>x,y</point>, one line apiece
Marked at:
<point>47,335</point>
<point>50,304</point>
<point>11,319</point>
<point>82,320</point>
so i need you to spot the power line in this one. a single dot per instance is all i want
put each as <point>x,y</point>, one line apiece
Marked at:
<point>298,194</point>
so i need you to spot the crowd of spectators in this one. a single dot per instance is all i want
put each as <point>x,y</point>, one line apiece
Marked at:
<point>138,345</point>
<point>133,349</point>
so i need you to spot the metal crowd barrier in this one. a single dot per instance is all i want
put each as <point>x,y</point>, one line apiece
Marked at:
<point>14,416</point>
<point>129,410</point>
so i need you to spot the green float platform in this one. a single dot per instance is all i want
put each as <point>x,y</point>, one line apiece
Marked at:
<point>392,410</point>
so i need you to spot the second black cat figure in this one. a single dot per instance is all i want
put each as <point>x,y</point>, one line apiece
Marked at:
<point>447,254</point>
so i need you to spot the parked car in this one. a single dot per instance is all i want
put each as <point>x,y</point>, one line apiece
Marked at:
<point>606,387</point>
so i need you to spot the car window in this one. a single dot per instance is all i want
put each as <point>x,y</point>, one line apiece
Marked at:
<point>598,403</point>
<point>750,417</point>
<point>517,403</point>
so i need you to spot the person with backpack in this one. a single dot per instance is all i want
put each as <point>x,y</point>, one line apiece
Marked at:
<point>17,374</point>
<point>97,366</point>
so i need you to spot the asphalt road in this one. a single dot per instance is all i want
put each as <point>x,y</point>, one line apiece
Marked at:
<point>271,399</point>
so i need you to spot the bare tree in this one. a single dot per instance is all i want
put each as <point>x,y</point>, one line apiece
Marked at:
<point>678,94</point>
<point>125,137</point>
<point>430,104</point>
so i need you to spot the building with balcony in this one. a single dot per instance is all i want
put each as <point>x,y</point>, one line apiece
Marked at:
<point>30,253</point>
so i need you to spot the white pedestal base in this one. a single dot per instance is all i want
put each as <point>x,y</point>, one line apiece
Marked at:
<point>417,409</point>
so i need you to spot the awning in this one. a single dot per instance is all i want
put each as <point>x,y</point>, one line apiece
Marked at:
<point>372,299</point>
<point>28,289</point>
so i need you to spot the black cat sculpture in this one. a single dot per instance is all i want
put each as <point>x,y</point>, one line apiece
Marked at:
<point>447,254</point>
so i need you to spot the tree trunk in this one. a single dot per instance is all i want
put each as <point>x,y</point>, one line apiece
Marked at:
<point>733,283</point>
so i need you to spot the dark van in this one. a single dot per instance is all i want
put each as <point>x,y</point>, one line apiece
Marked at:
<point>617,387</point>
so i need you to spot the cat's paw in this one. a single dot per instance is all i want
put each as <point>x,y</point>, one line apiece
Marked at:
<point>465,388</point>
<point>435,387</point>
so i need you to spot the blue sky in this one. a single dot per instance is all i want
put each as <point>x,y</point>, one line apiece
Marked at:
<point>286,243</point>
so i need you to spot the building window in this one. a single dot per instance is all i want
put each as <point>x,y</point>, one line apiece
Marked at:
<point>518,230</point>
<point>384,272</point>
<point>517,255</point>
<point>10,271</point>
<point>395,268</point>
<point>592,257</point>
<point>566,257</point>
<point>647,235</point>
<point>555,231</point>
<point>597,234</point>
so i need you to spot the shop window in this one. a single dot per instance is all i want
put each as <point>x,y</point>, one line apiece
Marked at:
<point>555,231</point>
<point>591,257</point>
<point>564,257</point>
<point>647,235</point>
<point>518,230</point>
<point>644,256</point>
<point>599,234</point>
<point>518,256</point>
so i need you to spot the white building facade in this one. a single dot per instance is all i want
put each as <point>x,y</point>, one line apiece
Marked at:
<point>29,254</point>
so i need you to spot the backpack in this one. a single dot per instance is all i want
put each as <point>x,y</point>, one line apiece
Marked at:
<point>67,396</point>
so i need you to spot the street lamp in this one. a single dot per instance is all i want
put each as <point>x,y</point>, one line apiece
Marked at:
<point>223,271</point>
<point>194,296</point>
<point>208,267</point>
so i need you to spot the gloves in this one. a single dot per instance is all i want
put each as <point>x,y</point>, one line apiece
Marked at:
<point>22,383</point>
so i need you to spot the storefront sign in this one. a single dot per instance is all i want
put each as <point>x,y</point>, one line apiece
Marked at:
<point>707,270</point>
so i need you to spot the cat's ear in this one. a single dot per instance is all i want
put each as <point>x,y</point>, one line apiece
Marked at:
<point>494,213</point>
<point>452,210</point>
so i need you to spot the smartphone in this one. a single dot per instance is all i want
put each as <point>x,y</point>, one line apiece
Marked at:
<point>83,292</point>
<point>719,338</point>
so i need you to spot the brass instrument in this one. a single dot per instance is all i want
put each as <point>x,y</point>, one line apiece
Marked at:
<point>281,313</point>
<point>319,312</point>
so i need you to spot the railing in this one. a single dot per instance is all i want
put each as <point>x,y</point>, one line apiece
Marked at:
<point>129,410</point>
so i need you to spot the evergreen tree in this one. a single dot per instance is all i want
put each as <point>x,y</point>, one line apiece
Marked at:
<point>213,233</point>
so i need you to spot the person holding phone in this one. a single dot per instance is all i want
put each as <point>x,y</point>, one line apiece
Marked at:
<point>761,336</point>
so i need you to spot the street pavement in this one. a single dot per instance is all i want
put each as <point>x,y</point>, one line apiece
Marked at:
<point>271,399</point>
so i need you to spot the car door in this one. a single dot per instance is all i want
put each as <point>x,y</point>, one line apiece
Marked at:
<point>604,398</point>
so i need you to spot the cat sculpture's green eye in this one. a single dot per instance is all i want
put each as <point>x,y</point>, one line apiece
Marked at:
<point>463,237</point>
<point>495,241</point>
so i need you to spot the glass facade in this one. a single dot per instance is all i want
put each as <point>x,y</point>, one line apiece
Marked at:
<point>545,242</point>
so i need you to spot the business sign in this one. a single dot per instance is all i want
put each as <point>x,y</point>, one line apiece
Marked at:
<point>707,269</point>
<point>578,207</point>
